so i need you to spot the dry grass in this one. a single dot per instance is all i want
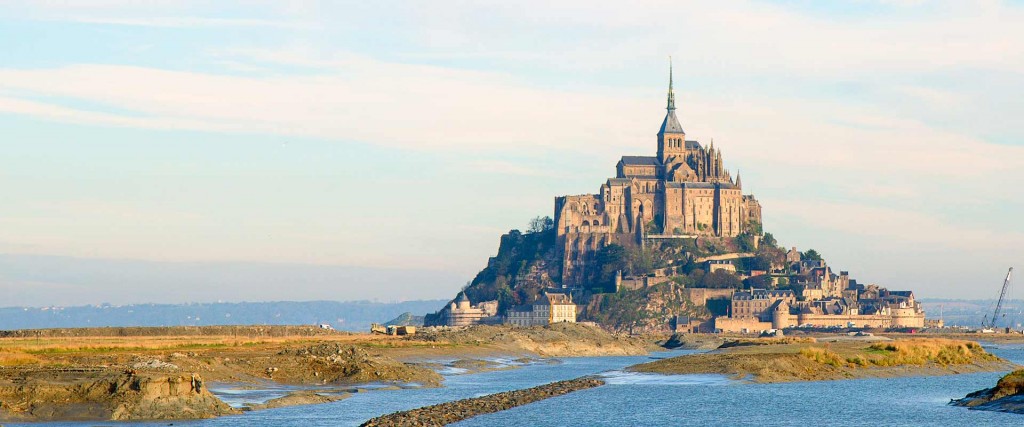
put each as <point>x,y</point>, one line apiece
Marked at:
<point>744,342</point>
<point>106,344</point>
<point>10,358</point>
<point>943,352</point>
<point>929,350</point>
<point>823,356</point>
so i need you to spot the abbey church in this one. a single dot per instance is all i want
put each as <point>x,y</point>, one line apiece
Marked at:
<point>684,191</point>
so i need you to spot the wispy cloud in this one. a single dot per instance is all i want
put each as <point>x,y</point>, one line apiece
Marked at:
<point>189,21</point>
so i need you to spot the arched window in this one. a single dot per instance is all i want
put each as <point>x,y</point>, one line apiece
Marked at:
<point>596,222</point>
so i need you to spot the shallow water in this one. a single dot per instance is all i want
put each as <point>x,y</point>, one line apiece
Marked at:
<point>659,400</point>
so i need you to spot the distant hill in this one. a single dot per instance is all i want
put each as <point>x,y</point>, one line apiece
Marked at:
<point>406,319</point>
<point>351,315</point>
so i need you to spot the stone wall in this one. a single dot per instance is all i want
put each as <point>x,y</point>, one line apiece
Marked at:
<point>700,296</point>
<point>741,324</point>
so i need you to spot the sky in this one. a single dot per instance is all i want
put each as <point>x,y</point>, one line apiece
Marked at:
<point>377,150</point>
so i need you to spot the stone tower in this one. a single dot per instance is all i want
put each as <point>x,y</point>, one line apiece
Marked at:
<point>671,137</point>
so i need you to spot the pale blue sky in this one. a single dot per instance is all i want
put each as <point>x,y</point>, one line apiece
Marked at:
<point>410,135</point>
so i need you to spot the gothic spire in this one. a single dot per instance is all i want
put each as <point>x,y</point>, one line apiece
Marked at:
<point>671,95</point>
<point>739,181</point>
<point>671,123</point>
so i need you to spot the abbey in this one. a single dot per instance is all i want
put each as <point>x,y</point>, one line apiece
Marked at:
<point>684,191</point>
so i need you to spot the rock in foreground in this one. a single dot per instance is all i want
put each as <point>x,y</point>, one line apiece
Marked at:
<point>106,395</point>
<point>1006,396</point>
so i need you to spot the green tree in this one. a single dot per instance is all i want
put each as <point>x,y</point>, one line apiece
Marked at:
<point>761,282</point>
<point>721,279</point>
<point>769,240</point>
<point>608,261</point>
<point>761,261</point>
<point>641,261</point>
<point>540,224</point>
<point>810,255</point>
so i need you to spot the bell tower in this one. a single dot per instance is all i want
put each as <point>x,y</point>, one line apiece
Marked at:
<point>671,137</point>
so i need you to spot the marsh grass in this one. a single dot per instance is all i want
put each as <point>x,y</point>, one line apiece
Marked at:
<point>10,358</point>
<point>917,352</point>
<point>823,356</point>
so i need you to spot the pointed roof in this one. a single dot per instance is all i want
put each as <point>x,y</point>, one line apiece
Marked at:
<point>671,123</point>
<point>739,181</point>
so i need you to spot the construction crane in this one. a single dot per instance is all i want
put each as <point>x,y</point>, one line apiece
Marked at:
<point>999,304</point>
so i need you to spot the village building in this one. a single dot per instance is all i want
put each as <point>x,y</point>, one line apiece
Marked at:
<point>869,307</point>
<point>461,312</point>
<point>549,308</point>
<point>718,264</point>
<point>759,303</point>
<point>793,256</point>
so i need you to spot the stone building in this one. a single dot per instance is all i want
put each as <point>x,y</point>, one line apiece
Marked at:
<point>461,312</point>
<point>759,303</point>
<point>714,265</point>
<point>549,308</point>
<point>870,307</point>
<point>684,190</point>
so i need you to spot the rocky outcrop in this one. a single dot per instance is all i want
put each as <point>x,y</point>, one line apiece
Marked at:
<point>108,396</point>
<point>693,342</point>
<point>1006,396</point>
<point>452,412</point>
<point>333,363</point>
<point>296,398</point>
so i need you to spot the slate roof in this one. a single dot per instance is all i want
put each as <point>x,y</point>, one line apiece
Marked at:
<point>671,124</point>
<point>559,298</point>
<point>640,160</point>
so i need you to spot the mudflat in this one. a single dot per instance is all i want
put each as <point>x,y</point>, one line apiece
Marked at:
<point>806,359</point>
<point>121,373</point>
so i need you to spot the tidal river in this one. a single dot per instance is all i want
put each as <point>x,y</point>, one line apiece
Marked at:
<point>655,400</point>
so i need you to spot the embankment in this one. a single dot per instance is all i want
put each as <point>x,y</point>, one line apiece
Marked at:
<point>451,412</point>
<point>810,361</point>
